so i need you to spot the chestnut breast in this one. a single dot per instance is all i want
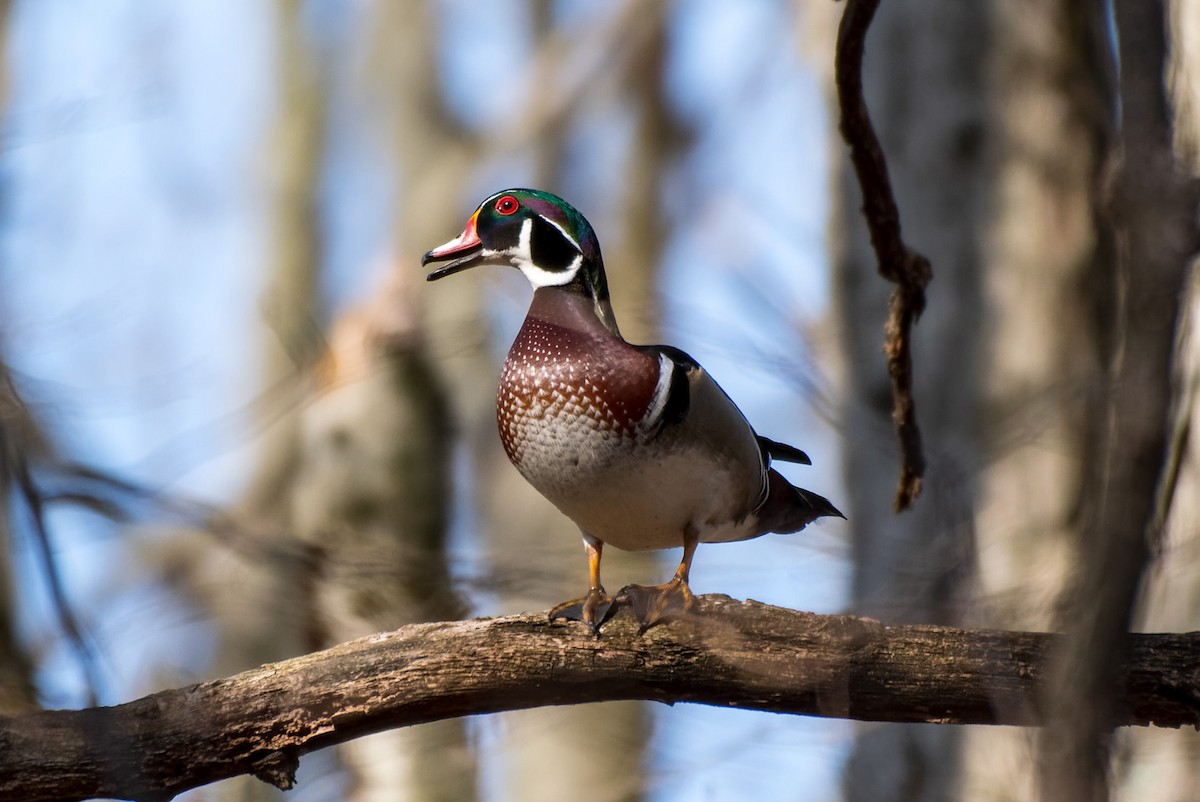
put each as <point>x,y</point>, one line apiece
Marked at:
<point>570,400</point>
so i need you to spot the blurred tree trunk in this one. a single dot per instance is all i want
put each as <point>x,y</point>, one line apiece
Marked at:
<point>260,599</point>
<point>18,436</point>
<point>554,752</point>
<point>371,501</point>
<point>375,498</point>
<point>924,87</point>
<point>1049,95</point>
<point>1148,212</point>
<point>1166,765</point>
<point>350,503</point>
<point>353,491</point>
<point>1035,337</point>
<point>17,691</point>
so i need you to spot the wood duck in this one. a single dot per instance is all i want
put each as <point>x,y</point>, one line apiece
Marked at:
<point>634,443</point>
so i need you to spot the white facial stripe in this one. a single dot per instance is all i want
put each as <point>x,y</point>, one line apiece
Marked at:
<point>524,251</point>
<point>563,231</point>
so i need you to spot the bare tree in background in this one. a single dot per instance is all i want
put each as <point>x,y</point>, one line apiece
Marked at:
<point>1045,416</point>
<point>17,430</point>
<point>1040,360</point>
<point>923,80</point>
<point>1059,235</point>
<point>373,499</point>
<point>18,437</point>
<point>1146,218</point>
<point>256,588</point>
<point>353,492</point>
<point>1167,765</point>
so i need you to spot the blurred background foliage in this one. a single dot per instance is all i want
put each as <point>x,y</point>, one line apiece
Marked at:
<point>238,426</point>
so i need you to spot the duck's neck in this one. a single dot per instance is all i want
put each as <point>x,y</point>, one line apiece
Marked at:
<point>573,307</point>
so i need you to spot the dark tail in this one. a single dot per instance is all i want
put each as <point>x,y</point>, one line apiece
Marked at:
<point>772,449</point>
<point>789,508</point>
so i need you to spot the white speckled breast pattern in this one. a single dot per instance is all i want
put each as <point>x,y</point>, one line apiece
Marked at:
<point>568,408</point>
<point>569,402</point>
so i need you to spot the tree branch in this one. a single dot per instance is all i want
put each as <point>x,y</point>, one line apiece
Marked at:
<point>899,264</point>
<point>731,654</point>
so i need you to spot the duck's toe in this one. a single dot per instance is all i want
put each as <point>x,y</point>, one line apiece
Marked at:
<point>593,609</point>
<point>653,604</point>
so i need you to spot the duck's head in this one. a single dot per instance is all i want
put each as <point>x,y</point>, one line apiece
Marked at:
<point>538,233</point>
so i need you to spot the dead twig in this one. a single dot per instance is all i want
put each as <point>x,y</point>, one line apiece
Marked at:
<point>899,264</point>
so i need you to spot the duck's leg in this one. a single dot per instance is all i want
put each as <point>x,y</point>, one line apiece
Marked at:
<point>653,604</point>
<point>596,606</point>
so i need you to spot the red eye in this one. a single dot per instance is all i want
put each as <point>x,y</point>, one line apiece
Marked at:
<point>507,205</point>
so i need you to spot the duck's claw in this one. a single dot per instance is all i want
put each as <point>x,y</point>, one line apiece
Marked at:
<point>653,604</point>
<point>592,609</point>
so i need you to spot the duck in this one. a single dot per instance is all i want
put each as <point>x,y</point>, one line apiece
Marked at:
<point>636,444</point>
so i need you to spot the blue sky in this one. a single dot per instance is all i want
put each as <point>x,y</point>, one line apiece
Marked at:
<point>133,243</point>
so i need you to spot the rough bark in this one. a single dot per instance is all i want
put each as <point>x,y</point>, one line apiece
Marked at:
<point>733,654</point>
